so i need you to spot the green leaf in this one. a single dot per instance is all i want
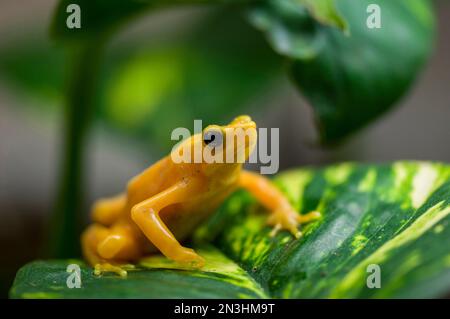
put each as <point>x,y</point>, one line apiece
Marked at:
<point>394,215</point>
<point>156,277</point>
<point>325,12</point>
<point>349,79</point>
<point>289,28</point>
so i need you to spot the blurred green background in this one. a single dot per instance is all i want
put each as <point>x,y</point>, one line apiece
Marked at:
<point>161,72</point>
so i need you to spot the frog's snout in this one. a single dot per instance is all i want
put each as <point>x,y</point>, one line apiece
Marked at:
<point>243,121</point>
<point>241,136</point>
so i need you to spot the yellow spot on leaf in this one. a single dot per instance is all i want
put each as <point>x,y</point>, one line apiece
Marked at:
<point>423,184</point>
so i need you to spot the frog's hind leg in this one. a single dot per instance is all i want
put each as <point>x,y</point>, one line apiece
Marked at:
<point>106,211</point>
<point>97,245</point>
<point>89,243</point>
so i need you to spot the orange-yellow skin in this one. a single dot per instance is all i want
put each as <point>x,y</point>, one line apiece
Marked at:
<point>165,203</point>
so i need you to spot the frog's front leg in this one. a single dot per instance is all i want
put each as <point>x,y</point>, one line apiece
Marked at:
<point>283,214</point>
<point>146,216</point>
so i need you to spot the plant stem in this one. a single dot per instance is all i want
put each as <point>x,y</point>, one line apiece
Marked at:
<point>66,220</point>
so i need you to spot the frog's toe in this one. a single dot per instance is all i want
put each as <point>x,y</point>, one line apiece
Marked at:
<point>99,269</point>
<point>292,228</point>
<point>309,217</point>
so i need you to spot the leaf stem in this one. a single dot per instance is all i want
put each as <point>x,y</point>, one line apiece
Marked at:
<point>66,221</point>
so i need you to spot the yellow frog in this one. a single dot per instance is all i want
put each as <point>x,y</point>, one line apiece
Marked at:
<point>164,204</point>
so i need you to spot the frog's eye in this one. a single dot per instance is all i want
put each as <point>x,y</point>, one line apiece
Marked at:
<point>213,137</point>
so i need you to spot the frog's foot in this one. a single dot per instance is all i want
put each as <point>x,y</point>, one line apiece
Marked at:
<point>120,270</point>
<point>290,221</point>
<point>189,257</point>
<point>309,217</point>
